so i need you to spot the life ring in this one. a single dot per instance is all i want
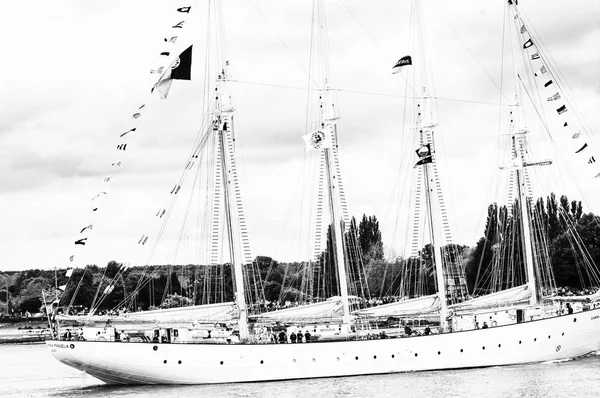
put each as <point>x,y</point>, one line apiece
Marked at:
<point>494,323</point>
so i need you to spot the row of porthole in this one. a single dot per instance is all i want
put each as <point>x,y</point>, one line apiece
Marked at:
<point>375,356</point>
<point>165,362</point>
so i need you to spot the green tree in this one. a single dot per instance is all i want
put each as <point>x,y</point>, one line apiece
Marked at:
<point>370,238</point>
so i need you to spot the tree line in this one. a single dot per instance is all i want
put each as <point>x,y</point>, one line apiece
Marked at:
<point>369,273</point>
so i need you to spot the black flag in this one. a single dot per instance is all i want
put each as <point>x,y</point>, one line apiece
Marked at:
<point>184,9</point>
<point>180,69</point>
<point>424,153</point>
<point>179,25</point>
<point>528,44</point>
<point>80,241</point>
<point>404,61</point>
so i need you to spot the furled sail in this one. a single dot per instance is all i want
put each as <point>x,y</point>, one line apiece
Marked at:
<point>416,306</point>
<point>513,296</point>
<point>220,312</point>
<point>323,311</point>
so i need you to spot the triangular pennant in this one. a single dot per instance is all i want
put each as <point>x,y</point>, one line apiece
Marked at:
<point>582,148</point>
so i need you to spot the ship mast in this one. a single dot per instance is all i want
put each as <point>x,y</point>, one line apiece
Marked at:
<point>327,123</point>
<point>521,162</point>
<point>334,194</point>
<point>426,153</point>
<point>226,180</point>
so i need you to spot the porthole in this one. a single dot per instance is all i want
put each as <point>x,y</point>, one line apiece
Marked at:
<point>338,358</point>
<point>519,341</point>
<point>374,356</point>
<point>393,356</point>
<point>483,348</point>
<point>574,319</point>
<point>314,360</point>
<point>461,350</point>
<point>155,348</point>
<point>416,355</point>
<point>221,362</point>
<point>179,362</point>
<point>356,358</point>
<point>563,333</point>
<point>165,361</point>
<point>439,353</point>
<point>548,337</point>
<point>261,361</point>
<point>535,339</point>
<point>499,345</point>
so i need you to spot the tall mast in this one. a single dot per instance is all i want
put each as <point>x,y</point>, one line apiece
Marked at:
<point>521,161</point>
<point>327,123</point>
<point>226,176</point>
<point>335,206</point>
<point>425,126</point>
<point>224,121</point>
<point>427,155</point>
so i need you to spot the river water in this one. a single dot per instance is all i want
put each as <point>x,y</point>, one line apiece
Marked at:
<point>29,370</point>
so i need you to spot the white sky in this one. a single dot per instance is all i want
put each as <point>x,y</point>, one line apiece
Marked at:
<point>75,71</point>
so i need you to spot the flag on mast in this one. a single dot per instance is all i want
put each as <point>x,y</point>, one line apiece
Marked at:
<point>424,154</point>
<point>180,69</point>
<point>404,61</point>
<point>318,140</point>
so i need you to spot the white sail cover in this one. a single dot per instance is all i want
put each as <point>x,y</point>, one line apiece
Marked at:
<point>512,296</point>
<point>326,310</point>
<point>416,306</point>
<point>220,312</point>
<point>584,298</point>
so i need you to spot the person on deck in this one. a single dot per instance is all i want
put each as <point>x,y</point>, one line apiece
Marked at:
<point>407,330</point>
<point>299,336</point>
<point>282,337</point>
<point>485,325</point>
<point>307,336</point>
<point>569,309</point>
<point>293,337</point>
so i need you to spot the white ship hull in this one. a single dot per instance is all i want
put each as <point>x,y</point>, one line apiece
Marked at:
<point>150,363</point>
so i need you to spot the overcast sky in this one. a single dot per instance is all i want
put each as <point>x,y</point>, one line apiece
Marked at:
<point>74,73</point>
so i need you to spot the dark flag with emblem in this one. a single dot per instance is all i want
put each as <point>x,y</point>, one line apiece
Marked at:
<point>180,69</point>
<point>424,154</point>
<point>404,61</point>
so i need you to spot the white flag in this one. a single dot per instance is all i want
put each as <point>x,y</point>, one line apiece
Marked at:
<point>69,272</point>
<point>317,140</point>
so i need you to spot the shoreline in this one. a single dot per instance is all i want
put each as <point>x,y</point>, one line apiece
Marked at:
<point>24,332</point>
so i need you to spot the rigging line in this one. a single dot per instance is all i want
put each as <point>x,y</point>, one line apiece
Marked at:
<point>506,14</point>
<point>556,72</point>
<point>365,92</point>
<point>547,130</point>
<point>350,10</point>
<point>288,49</point>
<point>460,39</point>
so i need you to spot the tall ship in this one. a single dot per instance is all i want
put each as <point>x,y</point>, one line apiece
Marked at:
<point>518,319</point>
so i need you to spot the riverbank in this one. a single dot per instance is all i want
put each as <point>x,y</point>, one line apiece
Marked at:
<point>24,331</point>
